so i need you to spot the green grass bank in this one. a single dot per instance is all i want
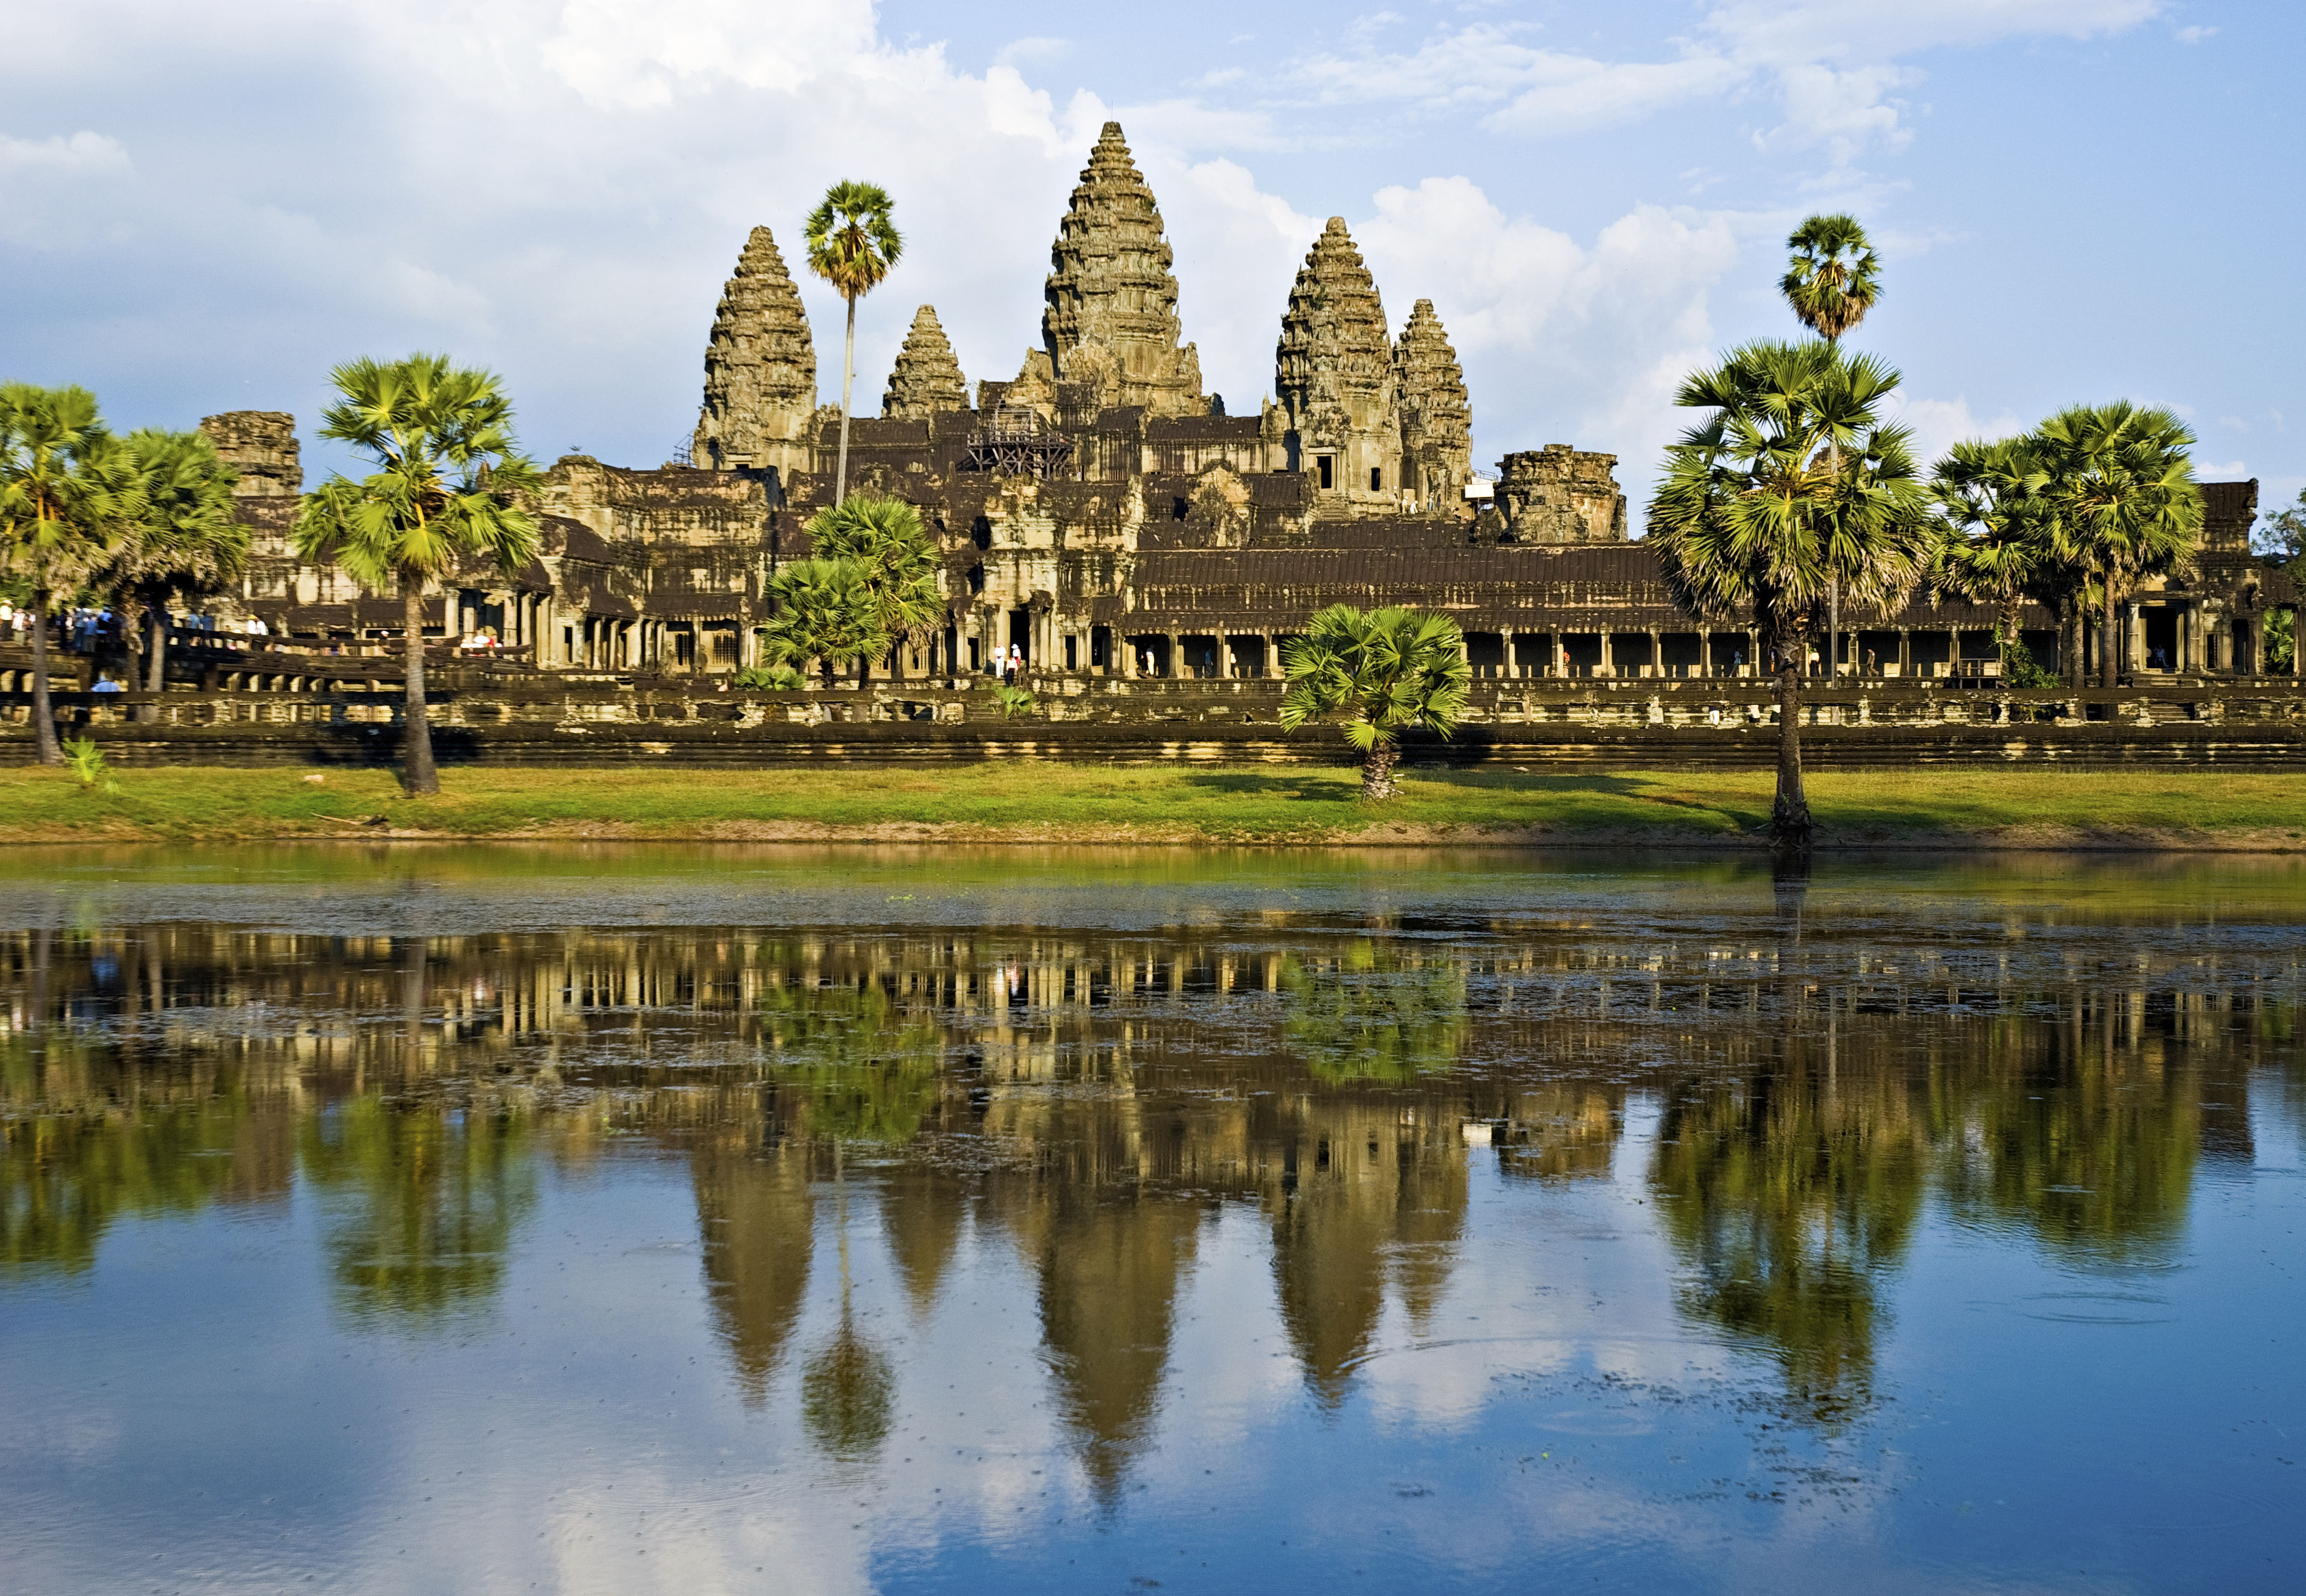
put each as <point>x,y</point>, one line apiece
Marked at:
<point>1073,803</point>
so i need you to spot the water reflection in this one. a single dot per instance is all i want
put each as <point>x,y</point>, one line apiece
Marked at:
<point>1093,1099</point>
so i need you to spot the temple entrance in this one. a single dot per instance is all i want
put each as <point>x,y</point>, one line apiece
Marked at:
<point>1485,653</point>
<point>1021,636</point>
<point>1201,656</point>
<point>1152,654</point>
<point>2161,651</point>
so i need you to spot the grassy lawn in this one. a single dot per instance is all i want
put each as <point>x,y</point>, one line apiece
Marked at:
<point>1086,803</point>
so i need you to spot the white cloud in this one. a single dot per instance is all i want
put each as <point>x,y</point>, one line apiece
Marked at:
<point>1831,67</point>
<point>2193,36</point>
<point>83,154</point>
<point>642,56</point>
<point>1596,338</point>
<point>1938,424</point>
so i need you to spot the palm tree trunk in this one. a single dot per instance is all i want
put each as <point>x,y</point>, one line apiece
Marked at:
<point>44,718</point>
<point>2106,664</point>
<point>1377,773</point>
<point>1789,819</point>
<point>156,656</point>
<point>417,774</point>
<point>848,371</point>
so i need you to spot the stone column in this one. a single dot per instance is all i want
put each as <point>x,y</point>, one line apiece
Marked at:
<point>1603,669</point>
<point>1754,650</point>
<point>1657,653</point>
<point>1905,653</point>
<point>1176,656</point>
<point>1269,662</point>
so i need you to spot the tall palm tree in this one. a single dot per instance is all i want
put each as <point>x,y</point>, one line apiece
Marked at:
<point>67,488</point>
<point>1383,671</point>
<point>1831,282</point>
<point>450,484</point>
<point>184,544</point>
<point>2001,547</point>
<point>1791,486</point>
<point>2127,504</point>
<point>824,613</point>
<point>851,245</point>
<point>899,563</point>
<point>1834,276</point>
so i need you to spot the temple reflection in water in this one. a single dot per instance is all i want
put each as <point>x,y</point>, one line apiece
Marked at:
<point>1092,1102</point>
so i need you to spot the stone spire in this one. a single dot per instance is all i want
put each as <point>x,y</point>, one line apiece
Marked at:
<point>1110,285</point>
<point>1436,444</point>
<point>760,369</point>
<point>1334,375</point>
<point>928,378</point>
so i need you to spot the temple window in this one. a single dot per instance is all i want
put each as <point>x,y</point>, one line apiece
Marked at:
<point>1327,466</point>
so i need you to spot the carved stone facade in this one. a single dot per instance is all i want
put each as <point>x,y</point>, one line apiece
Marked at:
<point>1559,495</point>
<point>1111,317</point>
<point>926,378</point>
<point>1334,376</point>
<point>760,369</point>
<point>1100,516</point>
<point>1437,418</point>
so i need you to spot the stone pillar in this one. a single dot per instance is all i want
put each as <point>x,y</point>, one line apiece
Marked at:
<point>1905,652</point>
<point>1604,667</point>
<point>1269,660</point>
<point>1176,656</point>
<point>1657,653</point>
<point>1753,649</point>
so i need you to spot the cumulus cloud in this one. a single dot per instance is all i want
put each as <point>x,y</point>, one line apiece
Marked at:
<point>1831,68</point>
<point>1938,424</point>
<point>1592,338</point>
<point>83,153</point>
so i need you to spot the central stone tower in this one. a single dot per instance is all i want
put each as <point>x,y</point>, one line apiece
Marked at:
<point>1334,376</point>
<point>1112,312</point>
<point>760,371</point>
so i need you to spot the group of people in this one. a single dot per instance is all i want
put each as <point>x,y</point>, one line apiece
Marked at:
<point>1010,665</point>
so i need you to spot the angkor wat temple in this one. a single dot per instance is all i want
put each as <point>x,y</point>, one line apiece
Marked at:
<point>1102,514</point>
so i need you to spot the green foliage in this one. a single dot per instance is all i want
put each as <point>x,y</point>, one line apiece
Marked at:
<point>1834,277</point>
<point>1013,700</point>
<point>1381,672</point>
<point>184,541</point>
<point>85,759</point>
<point>824,613</point>
<point>896,558</point>
<point>1793,483</point>
<point>2281,640</point>
<point>450,482</point>
<point>2021,669</point>
<point>851,241</point>
<point>2283,534</point>
<point>773,678</point>
<point>420,1204</point>
<point>1375,1013</point>
<point>68,488</point>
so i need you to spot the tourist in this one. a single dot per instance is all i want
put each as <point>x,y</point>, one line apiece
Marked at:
<point>1872,668</point>
<point>1016,663</point>
<point>105,683</point>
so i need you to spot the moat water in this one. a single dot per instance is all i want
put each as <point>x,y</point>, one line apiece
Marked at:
<point>624,1219</point>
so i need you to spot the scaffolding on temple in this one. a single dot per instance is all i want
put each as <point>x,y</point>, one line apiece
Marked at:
<point>1015,440</point>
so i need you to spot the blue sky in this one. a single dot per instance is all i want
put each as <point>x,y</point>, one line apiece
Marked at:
<point>203,208</point>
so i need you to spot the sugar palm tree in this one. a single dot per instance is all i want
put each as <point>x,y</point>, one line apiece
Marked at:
<point>1792,486</point>
<point>824,613</point>
<point>851,245</point>
<point>451,485</point>
<point>1834,276</point>
<point>67,490</point>
<point>898,561</point>
<point>2002,543</point>
<point>1831,282</point>
<point>184,543</point>
<point>2127,504</point>
<point>1383,672</point>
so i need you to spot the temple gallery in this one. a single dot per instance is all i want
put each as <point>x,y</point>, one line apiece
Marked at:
<point>1102,516</point>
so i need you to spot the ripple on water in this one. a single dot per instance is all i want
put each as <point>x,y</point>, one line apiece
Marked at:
<point>2094,1307</point>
